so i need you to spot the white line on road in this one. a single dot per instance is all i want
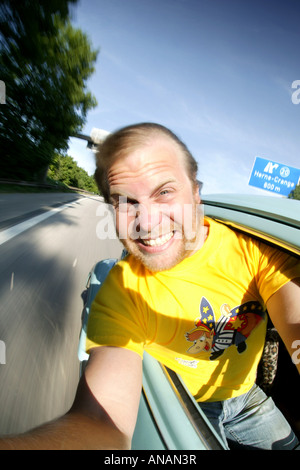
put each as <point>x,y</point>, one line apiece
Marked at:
<point>12,281</point>
<point>12,232</point>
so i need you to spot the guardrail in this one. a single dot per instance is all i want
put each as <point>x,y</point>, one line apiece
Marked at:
<point>27,183</point>
<point>42,185</point>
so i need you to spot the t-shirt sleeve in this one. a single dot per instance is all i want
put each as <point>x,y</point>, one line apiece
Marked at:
<point>275,269</point>
<point>116,318</point>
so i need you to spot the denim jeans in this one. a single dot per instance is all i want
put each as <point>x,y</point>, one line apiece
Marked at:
<point>250,421</point>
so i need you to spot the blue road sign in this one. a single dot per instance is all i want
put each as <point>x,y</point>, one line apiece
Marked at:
<point>275,177</point>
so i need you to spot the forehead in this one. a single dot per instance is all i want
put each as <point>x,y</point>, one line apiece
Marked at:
<point>159,159</point>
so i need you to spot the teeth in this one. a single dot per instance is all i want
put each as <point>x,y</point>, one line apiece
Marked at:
<point>158,241</point>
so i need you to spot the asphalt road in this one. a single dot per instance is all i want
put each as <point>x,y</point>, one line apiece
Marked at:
<point>43,269</point>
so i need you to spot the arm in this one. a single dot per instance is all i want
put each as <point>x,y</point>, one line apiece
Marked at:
<point>104,412</point>
<point>284,311</point>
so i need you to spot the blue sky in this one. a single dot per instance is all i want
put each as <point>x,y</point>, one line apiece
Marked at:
<point>219,73</point>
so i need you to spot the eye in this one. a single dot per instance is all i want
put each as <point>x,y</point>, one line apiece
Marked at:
<point>123,204</point>
<point>164,192</point>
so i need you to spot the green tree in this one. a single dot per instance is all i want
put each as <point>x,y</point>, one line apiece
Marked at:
<point>295,194</point>
<point>64,169</point>
<point>45,64</point>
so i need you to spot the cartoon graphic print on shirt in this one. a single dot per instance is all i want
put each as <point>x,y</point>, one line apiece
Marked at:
<point>233,328</point>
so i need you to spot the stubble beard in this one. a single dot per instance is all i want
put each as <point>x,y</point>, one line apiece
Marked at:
<point>183,247</point>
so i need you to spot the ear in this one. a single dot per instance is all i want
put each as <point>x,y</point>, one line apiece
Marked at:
<point>197,190</point>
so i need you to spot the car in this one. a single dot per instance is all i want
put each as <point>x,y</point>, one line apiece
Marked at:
<point>169,418</point>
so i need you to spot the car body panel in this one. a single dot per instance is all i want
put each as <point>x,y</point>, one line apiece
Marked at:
<point>172,414</point>
<point>276,220</point>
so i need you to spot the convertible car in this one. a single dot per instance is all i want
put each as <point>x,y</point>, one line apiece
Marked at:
<point>169,418</point>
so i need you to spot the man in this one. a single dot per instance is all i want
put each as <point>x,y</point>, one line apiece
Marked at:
<point>192,293</point>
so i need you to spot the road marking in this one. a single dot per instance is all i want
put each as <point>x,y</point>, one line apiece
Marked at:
<point>75,262</point>
<point>12,281</point>
<point>12,232</point>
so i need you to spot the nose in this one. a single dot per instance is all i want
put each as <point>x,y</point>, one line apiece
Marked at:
<point>148,218</point>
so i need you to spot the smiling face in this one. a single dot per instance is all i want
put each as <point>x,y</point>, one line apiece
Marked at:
<point>156,204</point>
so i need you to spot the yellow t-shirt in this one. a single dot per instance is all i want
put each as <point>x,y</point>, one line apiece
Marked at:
<point>205,318</point>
